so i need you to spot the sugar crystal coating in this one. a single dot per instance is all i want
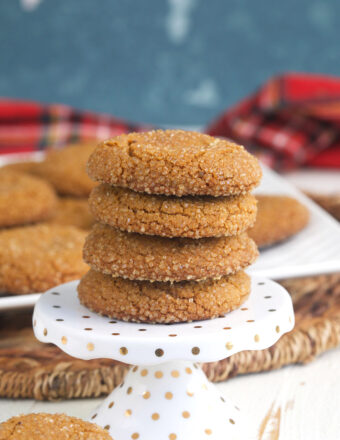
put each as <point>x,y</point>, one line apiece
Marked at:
<point>44,426</point>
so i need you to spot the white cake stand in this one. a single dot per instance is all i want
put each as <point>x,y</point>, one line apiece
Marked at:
<point>165,396</point>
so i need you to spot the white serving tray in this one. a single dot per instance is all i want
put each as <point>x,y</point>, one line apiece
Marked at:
<point>315,250</point>
<point>16,302</point>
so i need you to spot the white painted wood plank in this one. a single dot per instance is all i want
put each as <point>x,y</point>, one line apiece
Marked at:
<point>305,399</point>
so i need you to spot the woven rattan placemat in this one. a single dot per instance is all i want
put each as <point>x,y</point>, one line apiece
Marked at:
<point>30,369</point>
<point>330,203</point>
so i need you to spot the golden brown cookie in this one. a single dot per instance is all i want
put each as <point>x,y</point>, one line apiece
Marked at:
<point>36,258</point>
<point>194,217</point>
<point>278,218</point>
<point>141,257</point>
<point>27,167</point>
<point>65,169</point>
<point>73,211</point>
<point>44,426</point>
<point>158,302</point>
<point>24,199</point>
<point>175,162</point>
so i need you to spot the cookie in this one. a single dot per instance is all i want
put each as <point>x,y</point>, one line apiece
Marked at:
<point>44,426</point>
<point>175,162</point>
<point>36,258</point>
<point>141,257</point>
<point>194,217</point>
<point>158,302</point>
<point>65,169</point>
<point>24,199</point>
<point>278,218</point>
<point>73,211</point>
<point>27,167</point>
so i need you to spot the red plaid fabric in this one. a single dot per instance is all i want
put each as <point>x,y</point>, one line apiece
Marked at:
<point>292,120</point>
<point>29,126</point>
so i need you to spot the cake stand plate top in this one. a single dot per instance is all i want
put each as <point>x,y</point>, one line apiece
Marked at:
<point>59,318</point>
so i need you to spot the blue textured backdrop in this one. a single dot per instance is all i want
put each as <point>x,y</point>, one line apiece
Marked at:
<point>160,61</point>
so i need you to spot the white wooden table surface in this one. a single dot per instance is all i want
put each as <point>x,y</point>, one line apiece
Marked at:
<point>294,403</point>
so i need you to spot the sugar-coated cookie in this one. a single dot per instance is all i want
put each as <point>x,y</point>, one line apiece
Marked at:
<point>36,258</point>
<point>195,217</point>
<point>175,162</point>
<point>142,257</point>
<point>278,218</point>
<point>73,211</point>
<point>160,302</point>
<point>65,169</point>
<point>44,426</point>
<point>24,199</point>
<point>27,167</point>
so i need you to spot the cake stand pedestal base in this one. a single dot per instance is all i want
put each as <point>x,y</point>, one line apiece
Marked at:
<point>172,401</point>
<point>165,396</point>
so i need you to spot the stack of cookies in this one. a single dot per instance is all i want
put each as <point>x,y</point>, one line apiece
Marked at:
<point>170,244</point>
